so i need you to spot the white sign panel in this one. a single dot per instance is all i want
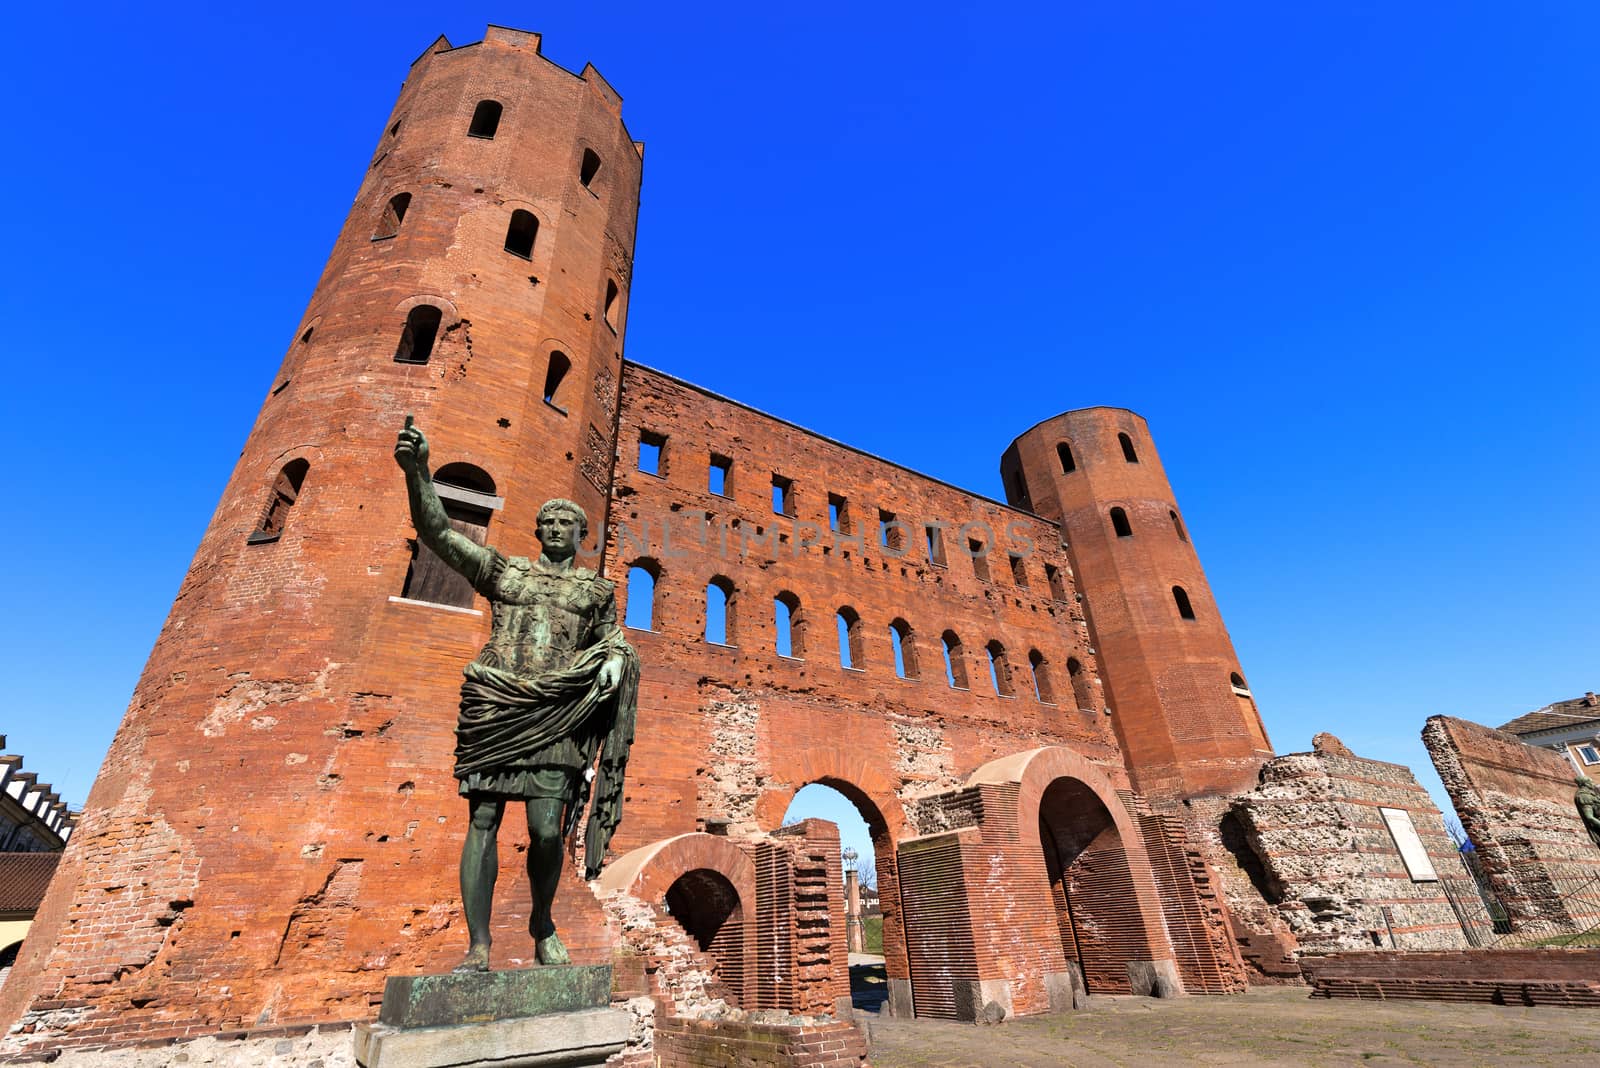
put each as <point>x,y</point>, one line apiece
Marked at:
<point>1406,839</point>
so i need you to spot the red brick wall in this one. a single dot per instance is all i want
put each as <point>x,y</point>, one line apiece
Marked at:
<point>275,825</point>
<point>1516,804</point>
<point>1183,730</point>
<point>683,1043</point>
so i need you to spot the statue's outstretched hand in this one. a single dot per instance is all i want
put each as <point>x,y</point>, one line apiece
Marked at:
<point>411,449</point>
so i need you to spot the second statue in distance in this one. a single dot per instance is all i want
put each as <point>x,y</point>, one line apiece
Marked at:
<point>555,687</point>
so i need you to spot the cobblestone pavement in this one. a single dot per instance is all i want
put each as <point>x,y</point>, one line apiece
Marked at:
<point>1268,1026</point>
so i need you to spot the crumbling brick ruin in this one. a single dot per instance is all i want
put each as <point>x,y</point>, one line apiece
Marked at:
<point>1516,805</point>
<point>1035,706</point>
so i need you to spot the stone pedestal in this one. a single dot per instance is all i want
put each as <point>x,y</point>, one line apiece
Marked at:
<point>553,1016</point>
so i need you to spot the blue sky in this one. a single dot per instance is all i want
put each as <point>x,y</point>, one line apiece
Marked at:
<point>1345,262</point>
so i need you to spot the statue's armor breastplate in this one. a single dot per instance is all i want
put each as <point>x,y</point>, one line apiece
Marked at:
<point>540,618</point>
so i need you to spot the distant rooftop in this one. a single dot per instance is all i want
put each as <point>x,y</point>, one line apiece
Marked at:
<point>24,877</point>
<point>1562,715</point>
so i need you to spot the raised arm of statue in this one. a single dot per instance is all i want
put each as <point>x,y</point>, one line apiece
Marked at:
<point>427,511</point>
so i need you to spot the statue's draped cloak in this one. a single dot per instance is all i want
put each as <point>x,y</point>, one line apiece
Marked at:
<point>513,726</point>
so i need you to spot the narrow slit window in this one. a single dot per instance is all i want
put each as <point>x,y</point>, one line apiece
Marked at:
<point>838,514</point>
<point>1181,598</point>
<point>652,453</point>
<point>285,491</point>
<point>891,532</point>
<point>980,558</point>
<point>1064,454</point>
<point>905,652</point>
<point>485,119</point>
<point>850,643</point>
<point>1177,526</point>
<point>643,576</point>
<point>521,232</point>
<point>589,168</point>
<point>1127,449</point>
<point>935,537</point>
<point>955,667</point>
<point>610,312</point>
<point>789,626</point>
<point>1042,690</point>
<point>1119,523</point>
<point>782,495</point>
<point>554,375</point>
<point>1052,575</point>
<point>719,611</point>
<point>394,213</point>
<point>419,334</point>
<point>1019,570</point>
<point>1082,686</point>
<point>999,669</point>
<point>719,475</point>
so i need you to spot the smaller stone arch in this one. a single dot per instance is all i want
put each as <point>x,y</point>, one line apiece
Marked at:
<point>698,870</point>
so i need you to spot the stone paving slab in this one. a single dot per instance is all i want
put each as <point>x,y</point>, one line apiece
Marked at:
<point>1267,1026</point>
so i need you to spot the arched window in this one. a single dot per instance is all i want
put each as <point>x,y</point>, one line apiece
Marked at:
<point>643,574</point>
<point>1177,525</point>
<point>305,338</point>
<point>1127,449</point>
<point>394,213</point>
<point>1181,598</point>
<point>1042,690</point>
<point>285,491</point>
<point>421,329</point>
<point>395,129</point>
<point>1119,523</point>
<point>1236,680</point>
<point>1082,686</point>
<point>905,649</point>
<point>521,231</point>
<point>850,643</point>
<point>611,304</point>
<point>1064,453</point>
<point>589,168</point>
<point>553,376</point>
<point>1248,709</point>
<point>485,119</point>
<point>955,666</point>
<point>790,625</point>
<point>468,495</point>
<point>719,611</point>
<point>999,669</point>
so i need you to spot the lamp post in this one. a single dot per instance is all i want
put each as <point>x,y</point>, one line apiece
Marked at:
<point>852,902</point>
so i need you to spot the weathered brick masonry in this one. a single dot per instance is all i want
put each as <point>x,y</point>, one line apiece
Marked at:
<point>1516,805</point>
<point>1330,862</point>
<point>275,827</point>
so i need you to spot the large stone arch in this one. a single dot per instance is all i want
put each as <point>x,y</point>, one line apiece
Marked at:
<point>1137,945</point>
<point>876,797</point>
<point>650,873</point>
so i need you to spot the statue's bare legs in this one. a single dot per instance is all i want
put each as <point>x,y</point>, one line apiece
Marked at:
<point>545,849</point>
<point>480,867</point>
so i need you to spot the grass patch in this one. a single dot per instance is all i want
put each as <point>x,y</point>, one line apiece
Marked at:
<point>872,934</point>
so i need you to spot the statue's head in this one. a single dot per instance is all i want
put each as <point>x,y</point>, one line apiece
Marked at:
<point>552,532</point>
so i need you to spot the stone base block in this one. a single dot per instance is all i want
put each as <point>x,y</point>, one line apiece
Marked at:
<point>478,997</point>
<point>553,1040</point>
<point>1155,978</point>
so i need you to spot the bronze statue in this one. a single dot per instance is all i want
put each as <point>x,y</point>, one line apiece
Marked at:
<point>555,686</point>
<point>1588,802</point>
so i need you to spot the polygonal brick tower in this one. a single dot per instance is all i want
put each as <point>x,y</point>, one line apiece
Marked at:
<point>264,841</point>
<point>1183,713</point>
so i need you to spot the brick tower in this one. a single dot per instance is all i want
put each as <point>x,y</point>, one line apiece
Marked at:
<point>1182,711</point>
<point>263,842</point>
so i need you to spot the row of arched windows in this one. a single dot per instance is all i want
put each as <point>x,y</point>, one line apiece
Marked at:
<point>486,123</point>
<point>1124,529</point>
<point>1069,464</point>
<point>790,632</point>
<point>521,231</point>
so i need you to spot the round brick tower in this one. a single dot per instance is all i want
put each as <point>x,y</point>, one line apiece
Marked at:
<point>1181,707</point>
<point>276,826</point>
